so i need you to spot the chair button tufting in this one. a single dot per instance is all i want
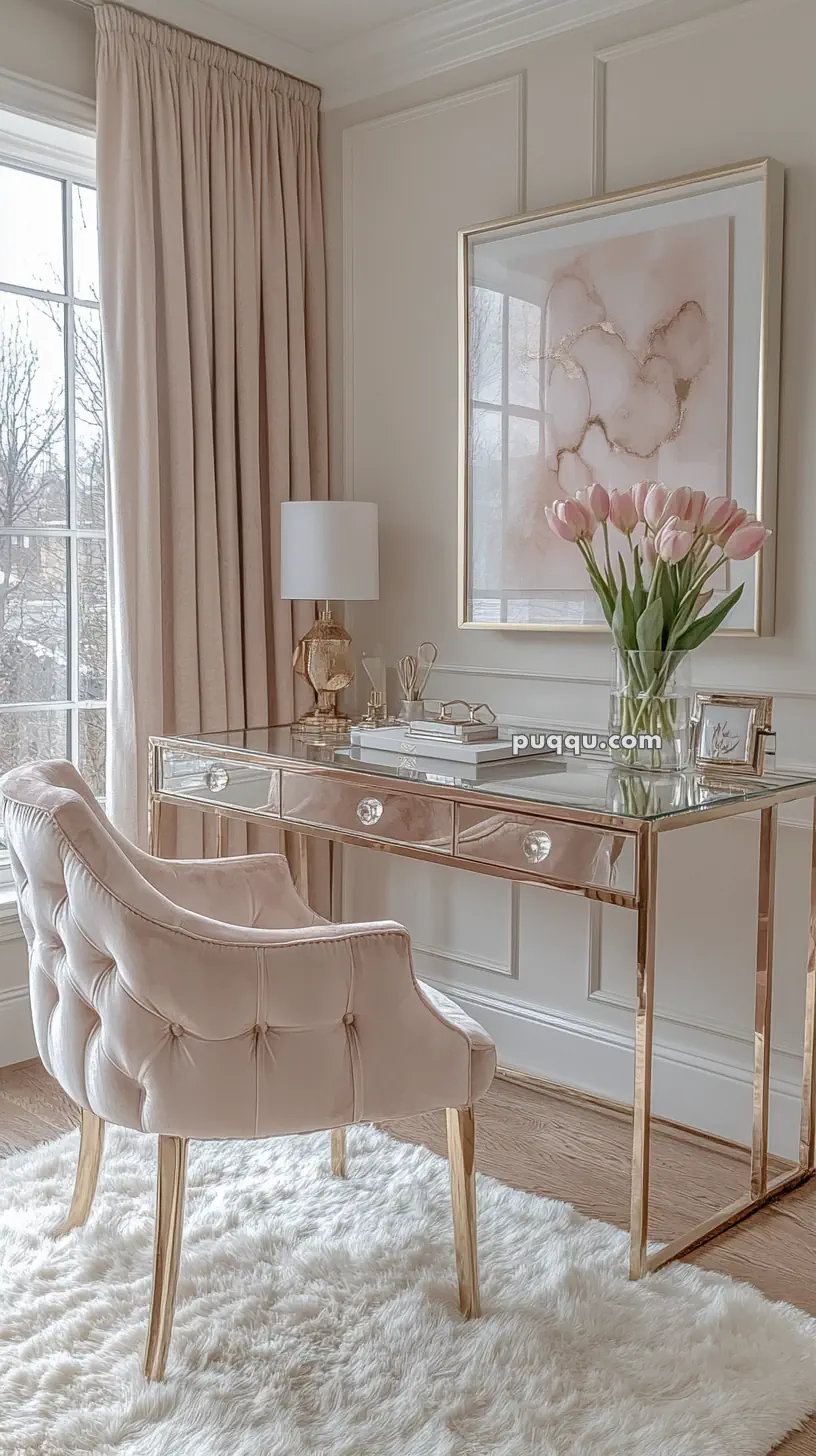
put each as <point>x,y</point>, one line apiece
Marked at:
<point>174,1029</point>
<point>348,1019</point>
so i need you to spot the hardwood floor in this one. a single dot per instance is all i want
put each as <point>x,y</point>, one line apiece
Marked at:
<point>550,1143</point>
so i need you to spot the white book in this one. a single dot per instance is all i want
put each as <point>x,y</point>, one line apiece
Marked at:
<point>399,741</point>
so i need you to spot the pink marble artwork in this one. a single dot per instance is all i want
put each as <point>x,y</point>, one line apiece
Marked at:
<point>632,370</point>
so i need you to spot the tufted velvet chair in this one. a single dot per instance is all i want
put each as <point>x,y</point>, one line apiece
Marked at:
<point>205,999</point>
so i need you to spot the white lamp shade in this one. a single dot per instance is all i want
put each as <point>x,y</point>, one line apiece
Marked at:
<point>329,551</point>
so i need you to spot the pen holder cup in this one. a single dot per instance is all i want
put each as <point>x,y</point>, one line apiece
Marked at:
<point>412,710</point>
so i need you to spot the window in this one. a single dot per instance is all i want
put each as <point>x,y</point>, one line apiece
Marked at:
<point>507,423</point>
<point>53,620</point>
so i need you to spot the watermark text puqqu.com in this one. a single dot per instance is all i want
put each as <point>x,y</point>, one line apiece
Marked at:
<point>578,743</point>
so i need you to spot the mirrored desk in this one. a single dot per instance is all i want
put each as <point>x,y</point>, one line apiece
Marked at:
<point>584,826</point>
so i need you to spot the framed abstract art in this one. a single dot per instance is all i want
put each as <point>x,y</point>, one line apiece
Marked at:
<point>632,336</point>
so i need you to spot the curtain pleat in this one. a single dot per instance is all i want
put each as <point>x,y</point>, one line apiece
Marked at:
<point>214,333</point>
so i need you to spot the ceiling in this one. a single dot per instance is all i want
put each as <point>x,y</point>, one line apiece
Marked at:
<point>316,24</point>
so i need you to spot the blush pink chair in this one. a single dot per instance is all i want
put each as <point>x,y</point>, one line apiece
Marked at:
<point>205,999</point>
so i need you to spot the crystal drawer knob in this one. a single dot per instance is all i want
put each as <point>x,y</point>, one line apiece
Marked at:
<point>369,811</point>
<point>216,778</point>
<point>536,846</point>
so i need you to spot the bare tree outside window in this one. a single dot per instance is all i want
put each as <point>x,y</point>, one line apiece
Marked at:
<point>53,602</point>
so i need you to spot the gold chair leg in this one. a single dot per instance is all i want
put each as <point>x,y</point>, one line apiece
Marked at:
<point>91,1142</point>
<point>338,1151</point>
<point>172,1173</point>
<point>461,1146</point>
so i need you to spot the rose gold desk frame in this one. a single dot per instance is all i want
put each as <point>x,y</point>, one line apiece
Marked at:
<point>763,1189</point>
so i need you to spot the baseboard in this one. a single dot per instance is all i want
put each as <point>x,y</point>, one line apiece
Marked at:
<point>17,1042</point>
<point>714,1096</point>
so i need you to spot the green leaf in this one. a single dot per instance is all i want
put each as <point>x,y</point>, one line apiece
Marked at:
<point>704,626</point>
<point>639,593</point>
<point>649,629</point>
<point>627,611</point>
<point>668,595</point>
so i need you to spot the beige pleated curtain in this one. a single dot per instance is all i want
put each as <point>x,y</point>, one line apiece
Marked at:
<point>214,336</point>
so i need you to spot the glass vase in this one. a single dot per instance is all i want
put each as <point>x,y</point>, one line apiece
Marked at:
<point>650,711</point>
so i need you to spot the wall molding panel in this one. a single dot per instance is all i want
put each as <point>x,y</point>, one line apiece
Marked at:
<point>512,86</point>
<point>715,1096</point>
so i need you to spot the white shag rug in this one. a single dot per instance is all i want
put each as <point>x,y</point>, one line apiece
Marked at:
<point>319,1315</point>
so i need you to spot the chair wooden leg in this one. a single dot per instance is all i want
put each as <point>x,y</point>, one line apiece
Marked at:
<point>172,1173</point>
<point>338,1151</point>
<point>91,1141</point>
<point>461,1144</point>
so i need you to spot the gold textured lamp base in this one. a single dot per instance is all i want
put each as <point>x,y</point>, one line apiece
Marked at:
<point>323,658</point>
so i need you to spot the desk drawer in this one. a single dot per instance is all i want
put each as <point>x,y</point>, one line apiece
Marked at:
<point>375,813</point>
<point>230,782</point>
<point>556,849</point>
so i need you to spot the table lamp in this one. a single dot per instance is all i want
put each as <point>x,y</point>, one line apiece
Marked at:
<point>329,552</point>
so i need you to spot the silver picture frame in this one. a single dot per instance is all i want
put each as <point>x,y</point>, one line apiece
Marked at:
<point>730,732</point>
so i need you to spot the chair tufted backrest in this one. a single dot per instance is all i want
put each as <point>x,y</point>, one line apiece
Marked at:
<point>264,1020</point>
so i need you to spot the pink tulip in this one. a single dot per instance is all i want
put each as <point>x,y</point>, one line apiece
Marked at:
<point>654,510</point>
<point>678,502</point>
<point>648,557</point>
<point>639,493</point>
<point>571,520</point>
<point>598,501</point>
<point>693,513</point>
<point>746,541</point>
<point>576,515</point>
<point>557,526</point>
<point>623,511</point>
<point>717,514</point>
<point>673,541</point>
<point>737,519</point>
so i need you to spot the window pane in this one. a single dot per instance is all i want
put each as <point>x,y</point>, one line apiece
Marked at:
<point>523,460</point>
<point>92,617</point>
<point>31,253</point>
<point>86,247</point>
<point>92,748</point>
<point>90,452</point>
<point>524,353</point>
<point>485,329</point>
<point>25,737</point>
<point>33,619</point>
<point>486,499</point>
<point>32,412</point>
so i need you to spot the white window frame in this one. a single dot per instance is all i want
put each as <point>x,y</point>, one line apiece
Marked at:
<point>49,150</point>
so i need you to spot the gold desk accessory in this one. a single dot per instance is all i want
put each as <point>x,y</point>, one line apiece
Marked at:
<point>477,724</point>
<point>329,552</point>
<point>413,672</point>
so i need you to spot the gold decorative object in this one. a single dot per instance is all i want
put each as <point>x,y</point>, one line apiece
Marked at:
<point>323,657</point>
<point>376,714</point>
<point>329,553</point>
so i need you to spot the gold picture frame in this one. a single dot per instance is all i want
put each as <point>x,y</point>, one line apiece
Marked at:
<point>750,721</point>
<point>751,448</point>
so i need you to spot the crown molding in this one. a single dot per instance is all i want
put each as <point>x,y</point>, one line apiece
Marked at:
<point>42,102</point>
<point>449,35</point>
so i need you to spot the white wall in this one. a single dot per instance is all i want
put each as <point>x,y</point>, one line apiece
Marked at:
<point>551,976</point>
